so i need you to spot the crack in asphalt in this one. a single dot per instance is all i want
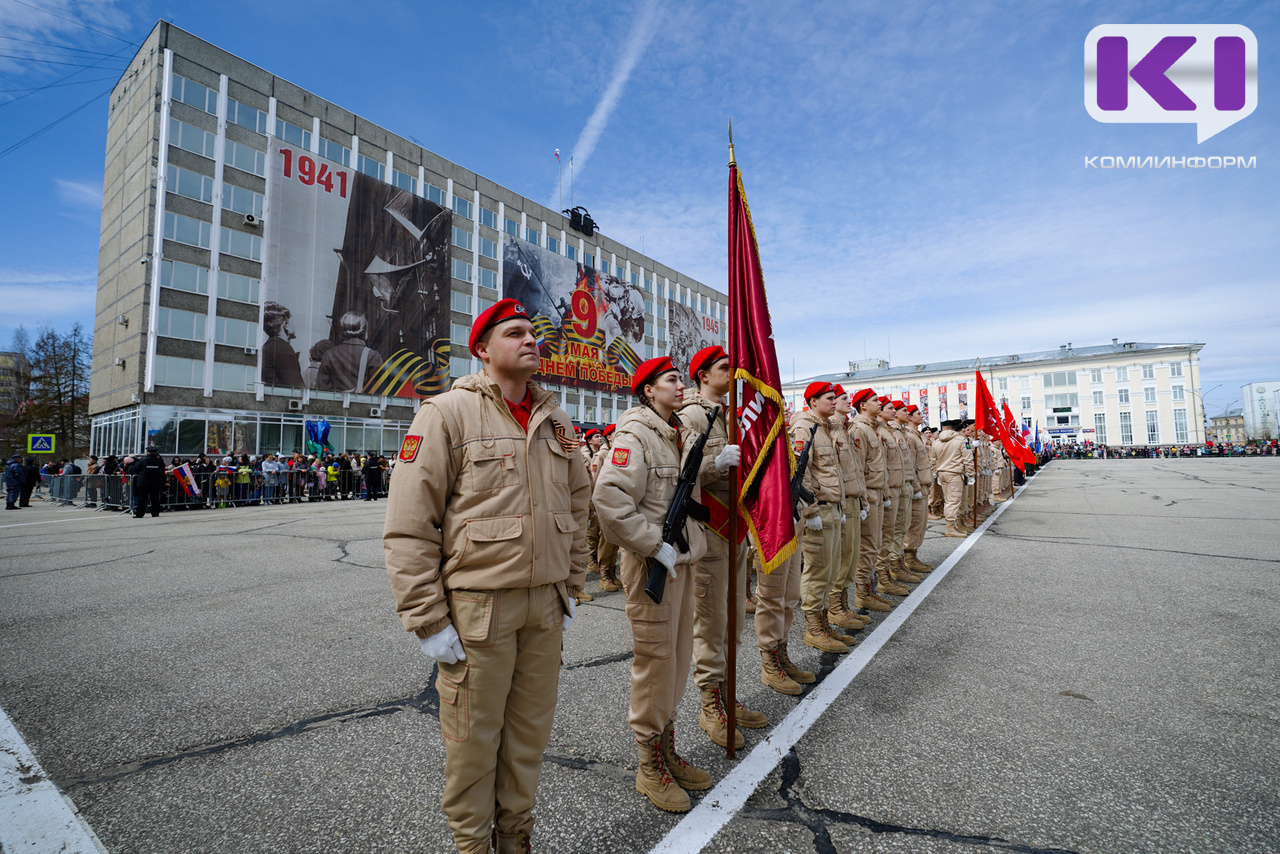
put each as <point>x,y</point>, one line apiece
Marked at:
<point>597,662</point>
<point>81,566</point>
<point>819,820</point>
<point>1054,542</point>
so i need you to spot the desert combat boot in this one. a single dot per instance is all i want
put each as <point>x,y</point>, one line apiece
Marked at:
<point>815,635</point>
<point>688,777</point>
<point>772,674</point>
<point>655,782</point>
<point>714,721</point>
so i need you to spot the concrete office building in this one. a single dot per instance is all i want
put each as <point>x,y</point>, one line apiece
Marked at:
<point>1228,427</point>
<point>1260,404</point>
<point>219,178</point>
<point>1122,393</point>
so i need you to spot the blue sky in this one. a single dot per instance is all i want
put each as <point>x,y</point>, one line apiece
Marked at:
<point>915,169</point>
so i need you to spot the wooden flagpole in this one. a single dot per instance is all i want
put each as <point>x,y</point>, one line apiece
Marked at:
<point>731,652</point>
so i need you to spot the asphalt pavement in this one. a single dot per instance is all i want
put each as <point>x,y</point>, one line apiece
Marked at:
<point>1097,673</point>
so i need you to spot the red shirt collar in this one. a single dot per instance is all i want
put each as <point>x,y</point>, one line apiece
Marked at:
<point>522,410</point>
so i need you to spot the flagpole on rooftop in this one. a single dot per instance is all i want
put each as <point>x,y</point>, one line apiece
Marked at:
<point>731,655</point>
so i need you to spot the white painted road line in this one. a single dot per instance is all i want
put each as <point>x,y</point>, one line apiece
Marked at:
<point>718,806</point>
<point>34,816</point>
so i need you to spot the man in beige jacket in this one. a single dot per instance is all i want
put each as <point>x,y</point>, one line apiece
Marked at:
<point>855,502</point>
<point>485,548</point>
<point>606,553</point>
<point>886,585</point>
<point>919,500</point>
<point>869,454</point>
<point>955,467</point>
<point>632,494</point>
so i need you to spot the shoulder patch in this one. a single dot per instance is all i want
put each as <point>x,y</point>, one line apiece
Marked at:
<point>857,441</point>
<point>620,456</point>
<point>569,443</point>
<point>799,446</point>
<point>409,448</point>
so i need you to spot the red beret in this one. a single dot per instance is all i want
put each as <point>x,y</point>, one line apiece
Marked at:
<point>838,389</point>
<point>648,371</point>
<point>705,358</point>
<point>587,435</point>
<point>893,404</point>
<point>816,390</point>
<point>913,409</point>
<point>859,398</point>
<point>884,400</point>
<point>608,430</point>
<point>503,309</point>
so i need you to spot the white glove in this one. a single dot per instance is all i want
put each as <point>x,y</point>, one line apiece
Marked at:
<point>969,481</point>
<point>863,514</point>
<point>843,518</point>
<point>730,456</point>
<point>444,646</point>
<point>917,495</point>
<point>888,502</point>
<point>667,557</point>
<point>813,523</point>
<point>568,618</point>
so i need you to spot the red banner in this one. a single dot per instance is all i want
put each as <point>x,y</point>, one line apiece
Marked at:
<point>1014,430</point>
<point>768,462</point>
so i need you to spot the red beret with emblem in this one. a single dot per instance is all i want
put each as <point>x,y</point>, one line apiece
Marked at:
<point>500,311</point>
<point>838,389</point>
<point>816,389</point>
<point>649,371</point>
<point>704,359</point>
<point>858,399</point>
<point>913,409</point>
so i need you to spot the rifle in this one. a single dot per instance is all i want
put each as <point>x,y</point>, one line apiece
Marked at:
<point>682,507</point>
<point>798,491</point>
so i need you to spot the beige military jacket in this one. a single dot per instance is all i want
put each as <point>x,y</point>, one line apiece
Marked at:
<point>908,452</point>
<point>892,455</point>
<point>822,476</point>
<point>693,415</point>
<point>855,485</point>
<point>599,460</point>
<point>585,452</point>
<point>924,475</point>
<point>479,504</point>
<point>952,454</point>
<point>868,450</point>
<point>635,486</point>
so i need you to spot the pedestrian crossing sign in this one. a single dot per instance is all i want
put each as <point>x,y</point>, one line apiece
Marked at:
<point>39,443</point>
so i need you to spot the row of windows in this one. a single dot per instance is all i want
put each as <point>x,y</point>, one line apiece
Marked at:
<point>190,326</point>
<point>202,142</point>
<point>462,270</point>
<point>193,185</point>
<point>189,373</point>
<point>195,232</point>
<point>181,276</point>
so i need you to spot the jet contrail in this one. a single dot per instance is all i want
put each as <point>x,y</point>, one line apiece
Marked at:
<point>642,32</point>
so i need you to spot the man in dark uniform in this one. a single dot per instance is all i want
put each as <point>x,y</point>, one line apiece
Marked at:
<point>148,483</point>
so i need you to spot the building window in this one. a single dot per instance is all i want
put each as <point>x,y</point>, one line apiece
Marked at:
<point>1100,428</point>
<point>1153,427</point>
<point>1097,398</point>
<point>246,159</point>
<point>184,277</point>
<point>1095,375</point>
<point>1126,428</point>
<point>404,181</point>
<point>238,288</point>
<point>483,304</point>
<point>462,238</point>
<point>1179,393</point>
<point>462,207</point>
<point>243,201</point>
<point>1123,395</point>
<point>1026,403</point>
<point>246,116</point>
<point>489,248</point>
<point>635,278</point>
<point>193,185</point>
<point>369,166</point>
<point>1002,384</point>
<point>1148,395</point>
<point>488,278</point>
<point>184,229</point>
<point>241,245</point>
<point>294,134</point>
<point>553,244</point>
<point>1148,372</point>
<point>435,194</point>
<point>661,310</point>
<point>233,377</point>
<point>589,259</point>
<point>604,266</point>
<point>461,270</point>
<point>459,334</point>
<point>1175,369</point>
<point>488,218</point>
<point>336,152</point>
<point>571,252</point>
<point>510,226</point>
<point>191,92</point>
<point>1180,425</point>
<point>235,333</point>
<point>191,138</point>
<point>1122,375</point>
<point>459,301</point>
<point>533,236</point>
<point>1061,402</point>
<point>183,373</point>
<point>1060,378</point>
<point>175,323</point>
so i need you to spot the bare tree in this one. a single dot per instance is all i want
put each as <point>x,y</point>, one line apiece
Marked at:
<point>56,375</point>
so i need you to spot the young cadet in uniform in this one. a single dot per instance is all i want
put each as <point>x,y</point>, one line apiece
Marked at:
<point>606,554</point>
<point>910,486</point>
<point>591,440</point>
<point>919,510</point>
<point>869,454</point>
<point>965,520</point>
<point>632,494</point>
<point>485,542</point>
<point>855,492</point>
<point>886,584</point>
<point>955,465</point>
<point>935,489</point>
<point>820,539</point>
<point>709,370</point>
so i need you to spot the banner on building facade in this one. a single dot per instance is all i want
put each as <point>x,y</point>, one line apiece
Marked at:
<point>962,400</point>
<point>943,411</point>
<point>356,290</point>
<point>688,331</point>
<point>590,326</point>
<point>924,405</point>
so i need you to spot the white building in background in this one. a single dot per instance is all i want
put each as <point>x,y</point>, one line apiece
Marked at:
<point>1260,403</point>
<point>1122,393</point>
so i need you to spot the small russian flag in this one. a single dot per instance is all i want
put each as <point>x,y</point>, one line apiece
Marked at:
<point>557,155</point>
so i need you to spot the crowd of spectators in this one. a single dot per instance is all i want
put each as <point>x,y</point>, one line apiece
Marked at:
<point>1091,451</point>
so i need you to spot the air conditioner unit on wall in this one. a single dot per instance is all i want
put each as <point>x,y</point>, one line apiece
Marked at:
<point>375,411</point>
<point>295,406</point>
<point>250,219</point>
<point>251,351</point>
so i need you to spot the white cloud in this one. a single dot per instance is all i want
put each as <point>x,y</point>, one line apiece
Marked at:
<point>57,297</point>
<point>80,194</point>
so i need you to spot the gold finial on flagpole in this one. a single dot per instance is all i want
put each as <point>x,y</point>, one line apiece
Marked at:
<point>732,160</point>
